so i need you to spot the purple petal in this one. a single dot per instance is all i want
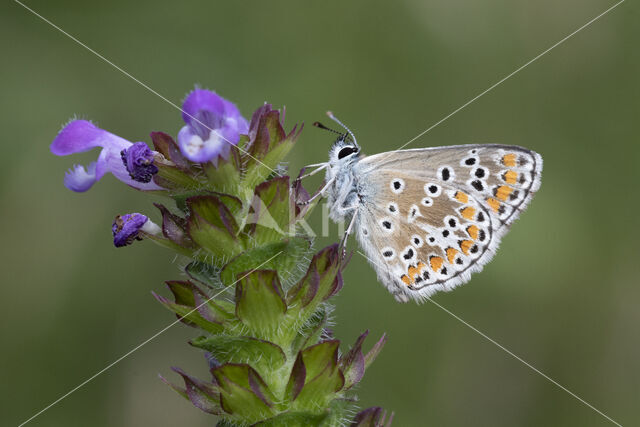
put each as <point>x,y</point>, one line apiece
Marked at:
<point>78,179</point>
<point>81,135</point>
<point>111,161</point>
<point>126,228</point>
<point>212,125</point>
<point>138,160</point>
<point>233,118</point>
<point>202,100</point>
<point>194,148</point>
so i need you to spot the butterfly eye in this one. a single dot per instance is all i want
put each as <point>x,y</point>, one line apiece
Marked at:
<point>346,151</point>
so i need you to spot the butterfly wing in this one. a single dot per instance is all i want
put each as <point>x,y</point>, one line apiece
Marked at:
<point>429,218</point>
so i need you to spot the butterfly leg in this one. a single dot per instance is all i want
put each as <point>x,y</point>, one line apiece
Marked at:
<point>319,193</point>
<point>320,167</point>
<point>343,242</point>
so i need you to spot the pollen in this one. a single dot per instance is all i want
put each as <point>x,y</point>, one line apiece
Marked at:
<point>451,255</point>
<point>407,280</point>
<point>495,205</point>
<point>509,160</point>
<point>465,245</point>
<point>503,192</point>
<point>510,177</point>
<point>461,197</point>
<point>468,213</point>
<point>436,263</point>
<point>473,230</point>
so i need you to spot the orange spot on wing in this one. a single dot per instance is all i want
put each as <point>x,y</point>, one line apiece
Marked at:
<point>468,212</point>
<point>510,177</point>
<point>461,197</point>
<point>451,255</point>
<point>473,231</point>
<point>421,265</point>
<point>509,160</point>
<point>465,245</point>
<point>436,263</point>
<point>503,192</point>
<point>413,271</point>
<point>407,280</point>
<point>495,205</point>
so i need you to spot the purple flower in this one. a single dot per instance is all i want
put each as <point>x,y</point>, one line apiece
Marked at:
<point>138,159</point>
<point>81,135</point>
<point>213,124</point>
<point>126,228</point>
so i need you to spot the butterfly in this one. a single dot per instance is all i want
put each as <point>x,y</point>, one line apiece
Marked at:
<point>427,218</point>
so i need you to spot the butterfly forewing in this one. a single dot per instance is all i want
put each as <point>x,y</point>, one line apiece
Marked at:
<point>431,217</point>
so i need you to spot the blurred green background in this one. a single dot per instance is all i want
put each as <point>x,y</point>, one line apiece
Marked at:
<point>563,292</point>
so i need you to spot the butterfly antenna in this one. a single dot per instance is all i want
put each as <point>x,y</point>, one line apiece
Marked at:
<point>321,126</point>
<point>335,119</point>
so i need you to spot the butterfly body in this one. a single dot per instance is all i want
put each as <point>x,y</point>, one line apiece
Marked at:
<point>428,218</point>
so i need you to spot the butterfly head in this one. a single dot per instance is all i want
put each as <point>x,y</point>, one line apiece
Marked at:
<point>343,151</point>
<point>346,149</point>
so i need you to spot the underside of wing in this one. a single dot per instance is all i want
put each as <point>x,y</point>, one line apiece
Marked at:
<point>430,218</point>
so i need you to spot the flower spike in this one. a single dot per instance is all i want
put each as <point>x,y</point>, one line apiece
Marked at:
<point>255,292</point>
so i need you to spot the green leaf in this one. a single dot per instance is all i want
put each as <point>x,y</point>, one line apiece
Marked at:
<point>319,357</point>
<point>209,276</point>
<point>259,300</point>
<point>353,363</point>
<point>166,243</point>
<point>189,316</point>
<point>375,350</point>
<point>193,307</point>
<point>208,307</point>
<point>181,391</point>
<point>203,395</point>
<point>243,392</point>
<point>322,280</point>
<point>174,178</point>
<point>284,256</point>
<point>271,212</point>
<point>225,177</point>
<point>165,145</point>
<point>323,378</point>
<point>204,273</point>
<point>242,350</point>
<point>212,226</point>
<point>311,332</point>
<point>372,417</point>
<point>297,378</point>
<point>268,147</point>
<point>231,202</point>
<point>174,227</point>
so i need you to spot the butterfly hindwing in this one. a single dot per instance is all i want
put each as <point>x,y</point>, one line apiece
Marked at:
<point>431,217</point>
